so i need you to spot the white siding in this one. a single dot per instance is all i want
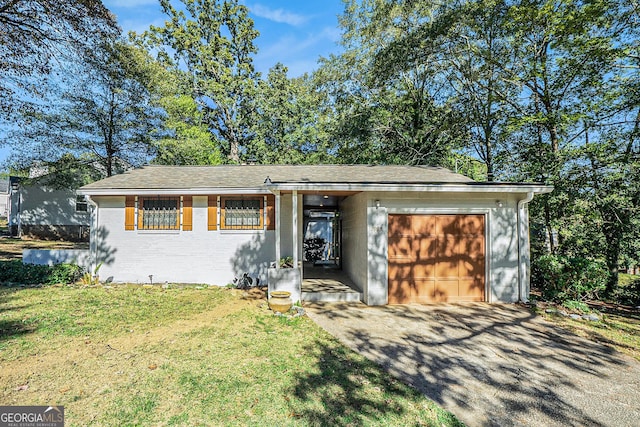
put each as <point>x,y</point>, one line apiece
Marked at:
<point>44,206</point>
<point>198,256</point>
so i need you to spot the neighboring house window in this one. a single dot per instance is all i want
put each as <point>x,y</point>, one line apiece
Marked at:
<point>242,214</point>
<point>81,204</point>
<point>159,213</point>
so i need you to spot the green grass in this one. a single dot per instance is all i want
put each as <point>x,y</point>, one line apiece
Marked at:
<point>618,328</point>
<point>11,248</point>
<point>186,357</point>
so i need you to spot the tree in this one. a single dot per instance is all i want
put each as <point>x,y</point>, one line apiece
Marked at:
<point>188,140</point>
<point>213,41</point>
<point>290,124</point>
<point>33,32</point>
<point>396,116</point>
<point>541,88</point>
<point>104,115</point>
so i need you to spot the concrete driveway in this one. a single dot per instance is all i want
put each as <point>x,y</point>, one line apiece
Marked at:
<point>492,365</point>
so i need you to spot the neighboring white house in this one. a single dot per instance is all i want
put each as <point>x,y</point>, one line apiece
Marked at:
<point>36,210</point>
<point>402,234</point>
<point>4,197</point>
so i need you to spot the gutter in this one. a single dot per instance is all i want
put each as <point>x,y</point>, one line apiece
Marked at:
<point>521,270</point>
<point>93,234</point>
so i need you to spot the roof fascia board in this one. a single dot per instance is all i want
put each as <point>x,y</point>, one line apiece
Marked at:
<point>274,188</point>
<point>449,188</point>
<point>170,192</point>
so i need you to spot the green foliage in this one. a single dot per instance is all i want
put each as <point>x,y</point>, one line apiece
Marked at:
<point>562,278</point>
<point>576,306</point>
<point>189,141</point>
<point>90,279</point>
<point>64,273</point>
<point>629,294</point>
<point>289,124</point>
<point>15,272</point>
<point>213,41</point>
<point>286,262</point>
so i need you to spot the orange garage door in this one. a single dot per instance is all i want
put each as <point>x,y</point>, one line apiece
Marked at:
<point>436,258</point>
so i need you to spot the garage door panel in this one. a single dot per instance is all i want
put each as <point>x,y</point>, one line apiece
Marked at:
<point>400,291</point>
<point>447,247</point>
<point>445,290</point>
<point>425,247</point>
<point>400,270</point>
<point>401,245</point>
<point>471,224</point>
<point>447,224</point>
<point>424,268</point>
<point>472,245</point>
<point>423,290</point>
<point>471,290</point>
<point>423,225</point>
<point>436,258</point>
<point>447,257</point>
<point>471,268</point>
<point>399,224</point>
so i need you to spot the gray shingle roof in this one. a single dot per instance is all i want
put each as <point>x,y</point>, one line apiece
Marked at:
<point>254,176</point>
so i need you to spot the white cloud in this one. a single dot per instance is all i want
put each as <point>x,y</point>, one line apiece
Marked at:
<point>300,55</point>
<point>278,15</point>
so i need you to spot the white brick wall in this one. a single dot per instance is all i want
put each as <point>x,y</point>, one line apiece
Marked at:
<point>198,256</point>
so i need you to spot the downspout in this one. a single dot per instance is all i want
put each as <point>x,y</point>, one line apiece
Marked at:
<point>93,235</point>
<point>521,270</point>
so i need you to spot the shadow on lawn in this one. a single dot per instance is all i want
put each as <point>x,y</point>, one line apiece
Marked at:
<point>345,391</point>
<point>12,328</point>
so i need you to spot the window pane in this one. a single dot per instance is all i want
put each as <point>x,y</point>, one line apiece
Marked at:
<point>160,214</point>
<point>242,214</point>
<point>81,203</point>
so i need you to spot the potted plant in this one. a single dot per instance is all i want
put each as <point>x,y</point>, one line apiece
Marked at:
<point>285,278</point>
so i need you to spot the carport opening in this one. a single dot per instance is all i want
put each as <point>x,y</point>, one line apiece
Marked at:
<point>322,241</point>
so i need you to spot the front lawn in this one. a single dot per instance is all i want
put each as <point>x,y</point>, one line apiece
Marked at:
<point>11,247</point>
<point>128,355</point>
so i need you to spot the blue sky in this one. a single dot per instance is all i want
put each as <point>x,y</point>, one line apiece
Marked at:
<point>295,33</point>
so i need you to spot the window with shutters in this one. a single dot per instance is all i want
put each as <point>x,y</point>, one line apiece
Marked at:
<point>159,213</point>
<point>241,213</point>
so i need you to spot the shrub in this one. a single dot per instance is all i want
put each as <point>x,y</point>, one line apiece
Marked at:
<point>64,273</point>
<point>576,306</point>
<point>629,294</point>
<point>31,274</point>
<point>562,278</point>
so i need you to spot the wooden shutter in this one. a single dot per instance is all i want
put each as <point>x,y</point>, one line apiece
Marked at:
<point>187,213</point>
<point>129,212</point>
<point>271,212</point>
<point>212,213</point>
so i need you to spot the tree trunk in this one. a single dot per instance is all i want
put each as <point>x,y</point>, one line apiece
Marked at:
<point>612,258</point>
<point>547,223</point>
